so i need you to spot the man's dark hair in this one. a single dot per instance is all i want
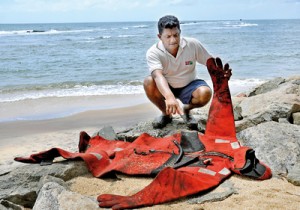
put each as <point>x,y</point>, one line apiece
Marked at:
<point>168,21</point>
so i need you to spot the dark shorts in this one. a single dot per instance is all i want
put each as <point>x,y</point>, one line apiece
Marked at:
<point>185,93</point>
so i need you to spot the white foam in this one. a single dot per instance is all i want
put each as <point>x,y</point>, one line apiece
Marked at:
<point>46,32</point>
<point>241,85</point>
<point>15,32</point>
<point>128,35</point>
<point>191,23</point>
<point>238,24</point>
<point>140,26</point>
<point>236,86</point>
<point>78,90</point>
<point>105,37</point>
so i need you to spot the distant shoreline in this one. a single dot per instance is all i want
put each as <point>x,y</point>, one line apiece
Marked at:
<point>147,21</point>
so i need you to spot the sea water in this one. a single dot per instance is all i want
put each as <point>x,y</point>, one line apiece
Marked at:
<point>60,61</point>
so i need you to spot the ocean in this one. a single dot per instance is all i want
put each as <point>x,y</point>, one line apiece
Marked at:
<point>58,62</point>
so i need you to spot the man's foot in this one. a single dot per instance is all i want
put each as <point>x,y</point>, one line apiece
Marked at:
<point>190,121</point>
<point>161,121</point>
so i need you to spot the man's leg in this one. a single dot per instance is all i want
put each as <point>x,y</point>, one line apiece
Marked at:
<point>158,100</point>
<point>154,95</point>
<point>196,94</point>
<point>200,97</point>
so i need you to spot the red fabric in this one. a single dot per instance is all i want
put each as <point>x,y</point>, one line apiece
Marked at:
<point>221,120</point>
<point>223,155</point>
<point>267,174</point>
<point>103,156</point>
<point>240,158</point>
<point>171,184</point>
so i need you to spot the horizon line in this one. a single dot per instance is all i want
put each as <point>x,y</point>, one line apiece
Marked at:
<point>133,21</point>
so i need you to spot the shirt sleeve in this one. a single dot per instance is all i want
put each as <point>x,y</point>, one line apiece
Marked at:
<point>153,61</point>
<point>202,55</point>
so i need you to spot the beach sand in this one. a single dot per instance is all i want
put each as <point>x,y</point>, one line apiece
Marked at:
<point>263,195</point>
<point>22,138</point>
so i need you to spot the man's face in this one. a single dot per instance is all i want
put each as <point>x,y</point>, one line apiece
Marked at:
<point>170,39</point>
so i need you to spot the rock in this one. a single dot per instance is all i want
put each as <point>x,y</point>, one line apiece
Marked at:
<point>48,178</point>
<point>296,118</point>
<point>264,108</point>
<point>294,175</point>
<point>107,132</point>
<point>146,127</point>
<point>200,114</point>
<point>271,105</point>
<point>6,205</point>
<point>48,196</point>
<point>20,185</point>
<point>283,120</point>
<point>276,144</point>
<point>53,196</point>
<point>237,112</point>
<point>267,86</point>
<point>220,193</point>
<point>241,95</point>
<point>253,120</point>
<point>295,109</point>
<point>3,207</point>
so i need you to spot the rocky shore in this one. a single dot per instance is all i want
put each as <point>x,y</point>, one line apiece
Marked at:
<point>267,119</point>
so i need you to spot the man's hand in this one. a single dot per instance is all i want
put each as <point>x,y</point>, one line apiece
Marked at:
<point>220,76</point>
<point>173,106</point>
<point>215,64</point>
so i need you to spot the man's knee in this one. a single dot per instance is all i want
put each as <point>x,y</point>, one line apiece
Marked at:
<point>202,95</point>
<point>150,86</point>
<point>149,81</point>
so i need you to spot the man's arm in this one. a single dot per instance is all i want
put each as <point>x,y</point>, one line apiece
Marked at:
<point>172,105</point>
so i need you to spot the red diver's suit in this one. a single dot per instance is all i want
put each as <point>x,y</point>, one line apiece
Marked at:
<point>184,164</point>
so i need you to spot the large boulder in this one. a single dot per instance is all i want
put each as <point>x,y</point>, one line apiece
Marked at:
<point>146,127</point>
<point>20,185</point>
<point>294,174</point>
<point>268,103</point>
<point>54,196</point>
<point>267,86</point>
<point>276,144</point>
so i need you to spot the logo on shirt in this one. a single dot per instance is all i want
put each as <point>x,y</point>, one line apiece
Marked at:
<point>188,63</point>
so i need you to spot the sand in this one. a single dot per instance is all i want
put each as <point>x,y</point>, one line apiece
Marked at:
<point>22,138</point>
<point>265,195</point>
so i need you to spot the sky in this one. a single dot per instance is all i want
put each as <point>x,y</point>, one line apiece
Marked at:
<point>61,11</point>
